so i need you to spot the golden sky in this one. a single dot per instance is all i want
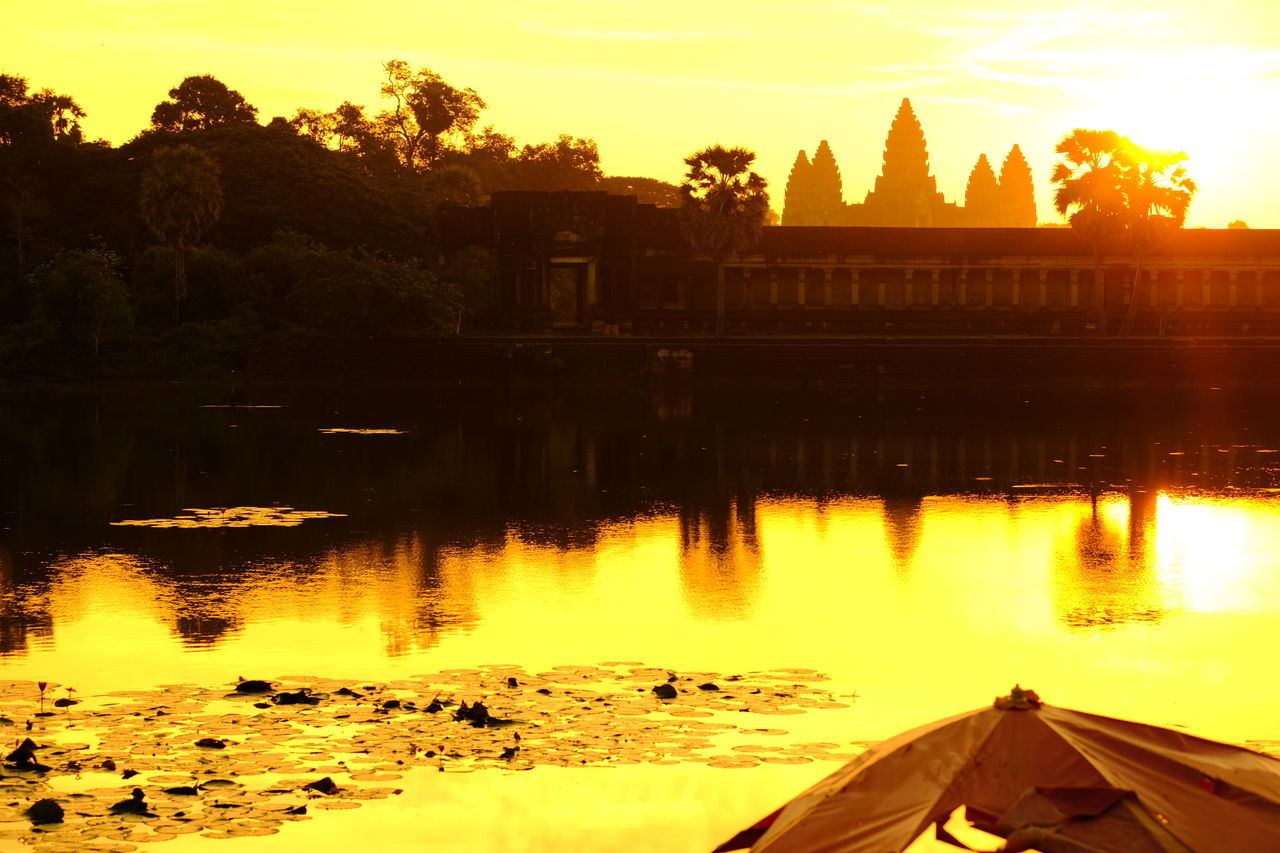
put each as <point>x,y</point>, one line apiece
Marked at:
<point>653,80</point>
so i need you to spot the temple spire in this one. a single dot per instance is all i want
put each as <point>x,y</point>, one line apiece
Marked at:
<point>827,199</point>
<point>906,156</point>
<point>796,201</point>
<point>1018,191</point>
<point>983,200</point>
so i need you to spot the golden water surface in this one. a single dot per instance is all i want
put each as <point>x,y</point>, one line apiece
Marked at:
<point>1136,592</point>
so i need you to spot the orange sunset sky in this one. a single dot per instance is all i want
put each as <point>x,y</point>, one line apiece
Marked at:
<point>653,80</point>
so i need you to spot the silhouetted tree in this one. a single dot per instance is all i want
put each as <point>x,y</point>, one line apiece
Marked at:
<point>349,131</point>
<point>469,272</point>
<point>723,207</point>
<point>1158,192</point>
<point>36,118</point>
<point>646,190</point>
<point>1091,194</point>
<point>30,122</point>
<point>1238,225</point>
<point>199,103</point>
<point>78,295</point>
<point>21,205</point>
<point>566,164</point>
<point>490,154</point>
<point>454,186</point>
<point>181,198</point>
<point>364,293</point>
<point>426,111</point>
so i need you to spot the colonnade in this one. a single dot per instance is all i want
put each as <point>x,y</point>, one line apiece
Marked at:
<point>1164,286</point>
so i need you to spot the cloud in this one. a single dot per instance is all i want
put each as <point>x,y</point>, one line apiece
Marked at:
<point>973,100</point>
<point>632,35</point>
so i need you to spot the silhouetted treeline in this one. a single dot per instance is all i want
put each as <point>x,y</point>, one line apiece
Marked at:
<point>318,223</point>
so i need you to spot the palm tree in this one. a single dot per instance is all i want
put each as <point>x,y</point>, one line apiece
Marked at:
<point>181,198</point>
<point>1090,193</point>
<point>723,205</point>
<point>1158,193</point>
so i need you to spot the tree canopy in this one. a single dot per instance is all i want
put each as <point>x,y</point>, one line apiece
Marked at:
<point>181,198</point>
<point>1111,188</point>
<point>36,118</point>
<point>191,213</point>
<point>199,103</point>
<point>723,202</point>
<point>724,205</point>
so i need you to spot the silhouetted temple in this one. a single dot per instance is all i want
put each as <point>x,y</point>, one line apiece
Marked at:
<point>589,260</point>
<point>906,193</point>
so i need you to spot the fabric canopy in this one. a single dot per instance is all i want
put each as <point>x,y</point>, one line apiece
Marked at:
<point>1210,797</point>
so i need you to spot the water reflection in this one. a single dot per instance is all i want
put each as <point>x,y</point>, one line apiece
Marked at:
<point>1108,578</point>
<point>477,490</point>
<point>720,559</point>
<point>902,522</point>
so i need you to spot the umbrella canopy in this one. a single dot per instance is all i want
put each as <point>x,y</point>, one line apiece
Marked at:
<point>1083,820</point>
<point>1202,795</point>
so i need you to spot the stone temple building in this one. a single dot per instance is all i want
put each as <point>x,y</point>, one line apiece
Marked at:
<point>905,193</point>
<point>586,260</point>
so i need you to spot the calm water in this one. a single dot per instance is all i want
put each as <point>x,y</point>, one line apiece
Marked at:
<point>1119,554</point>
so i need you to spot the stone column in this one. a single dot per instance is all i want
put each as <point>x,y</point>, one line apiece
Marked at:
<point>1075,289</point>
<point>1044,289</point>
<point>826,286</point>
<point>800,287</point>
<point>880,288</point>
<point>989,287</point>
<point>1233,290</point>
<point>934,275</point>
<point>1180,289</point>
<point>773,287</point>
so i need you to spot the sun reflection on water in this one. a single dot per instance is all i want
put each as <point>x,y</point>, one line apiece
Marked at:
<point>1148,605</point>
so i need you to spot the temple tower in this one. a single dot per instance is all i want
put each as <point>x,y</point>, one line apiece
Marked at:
<point>983,199</point>
<point>827,192</point>
<point>1019,200</point>
<point>814,192</point>
<point>905,193</point>
<point>796,201</point>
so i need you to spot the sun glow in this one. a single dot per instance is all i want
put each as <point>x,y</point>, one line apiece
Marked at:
<point>1183,103</point>
<point>649,88</point>
<point>1204,555</point>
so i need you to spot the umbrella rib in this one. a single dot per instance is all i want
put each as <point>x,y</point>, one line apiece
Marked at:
<point>950,787</point>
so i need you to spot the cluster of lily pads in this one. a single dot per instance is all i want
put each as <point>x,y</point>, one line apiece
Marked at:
<point>236,516</point>
<point>354,431</point>
<point>109,772</point>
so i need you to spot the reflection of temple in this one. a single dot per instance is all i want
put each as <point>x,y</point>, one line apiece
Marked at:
<point>1107,578</point>
<point>720,558</point>
<point>902,517</point>
<point>906,193</point>
<point>203,631</point>
<point>560,470</point>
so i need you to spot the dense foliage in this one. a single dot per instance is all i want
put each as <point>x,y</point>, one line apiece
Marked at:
<point>1113,190</point>
<point>210,232</point>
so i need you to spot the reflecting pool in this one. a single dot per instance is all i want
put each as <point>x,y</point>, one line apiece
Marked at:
<point>925,551</point>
